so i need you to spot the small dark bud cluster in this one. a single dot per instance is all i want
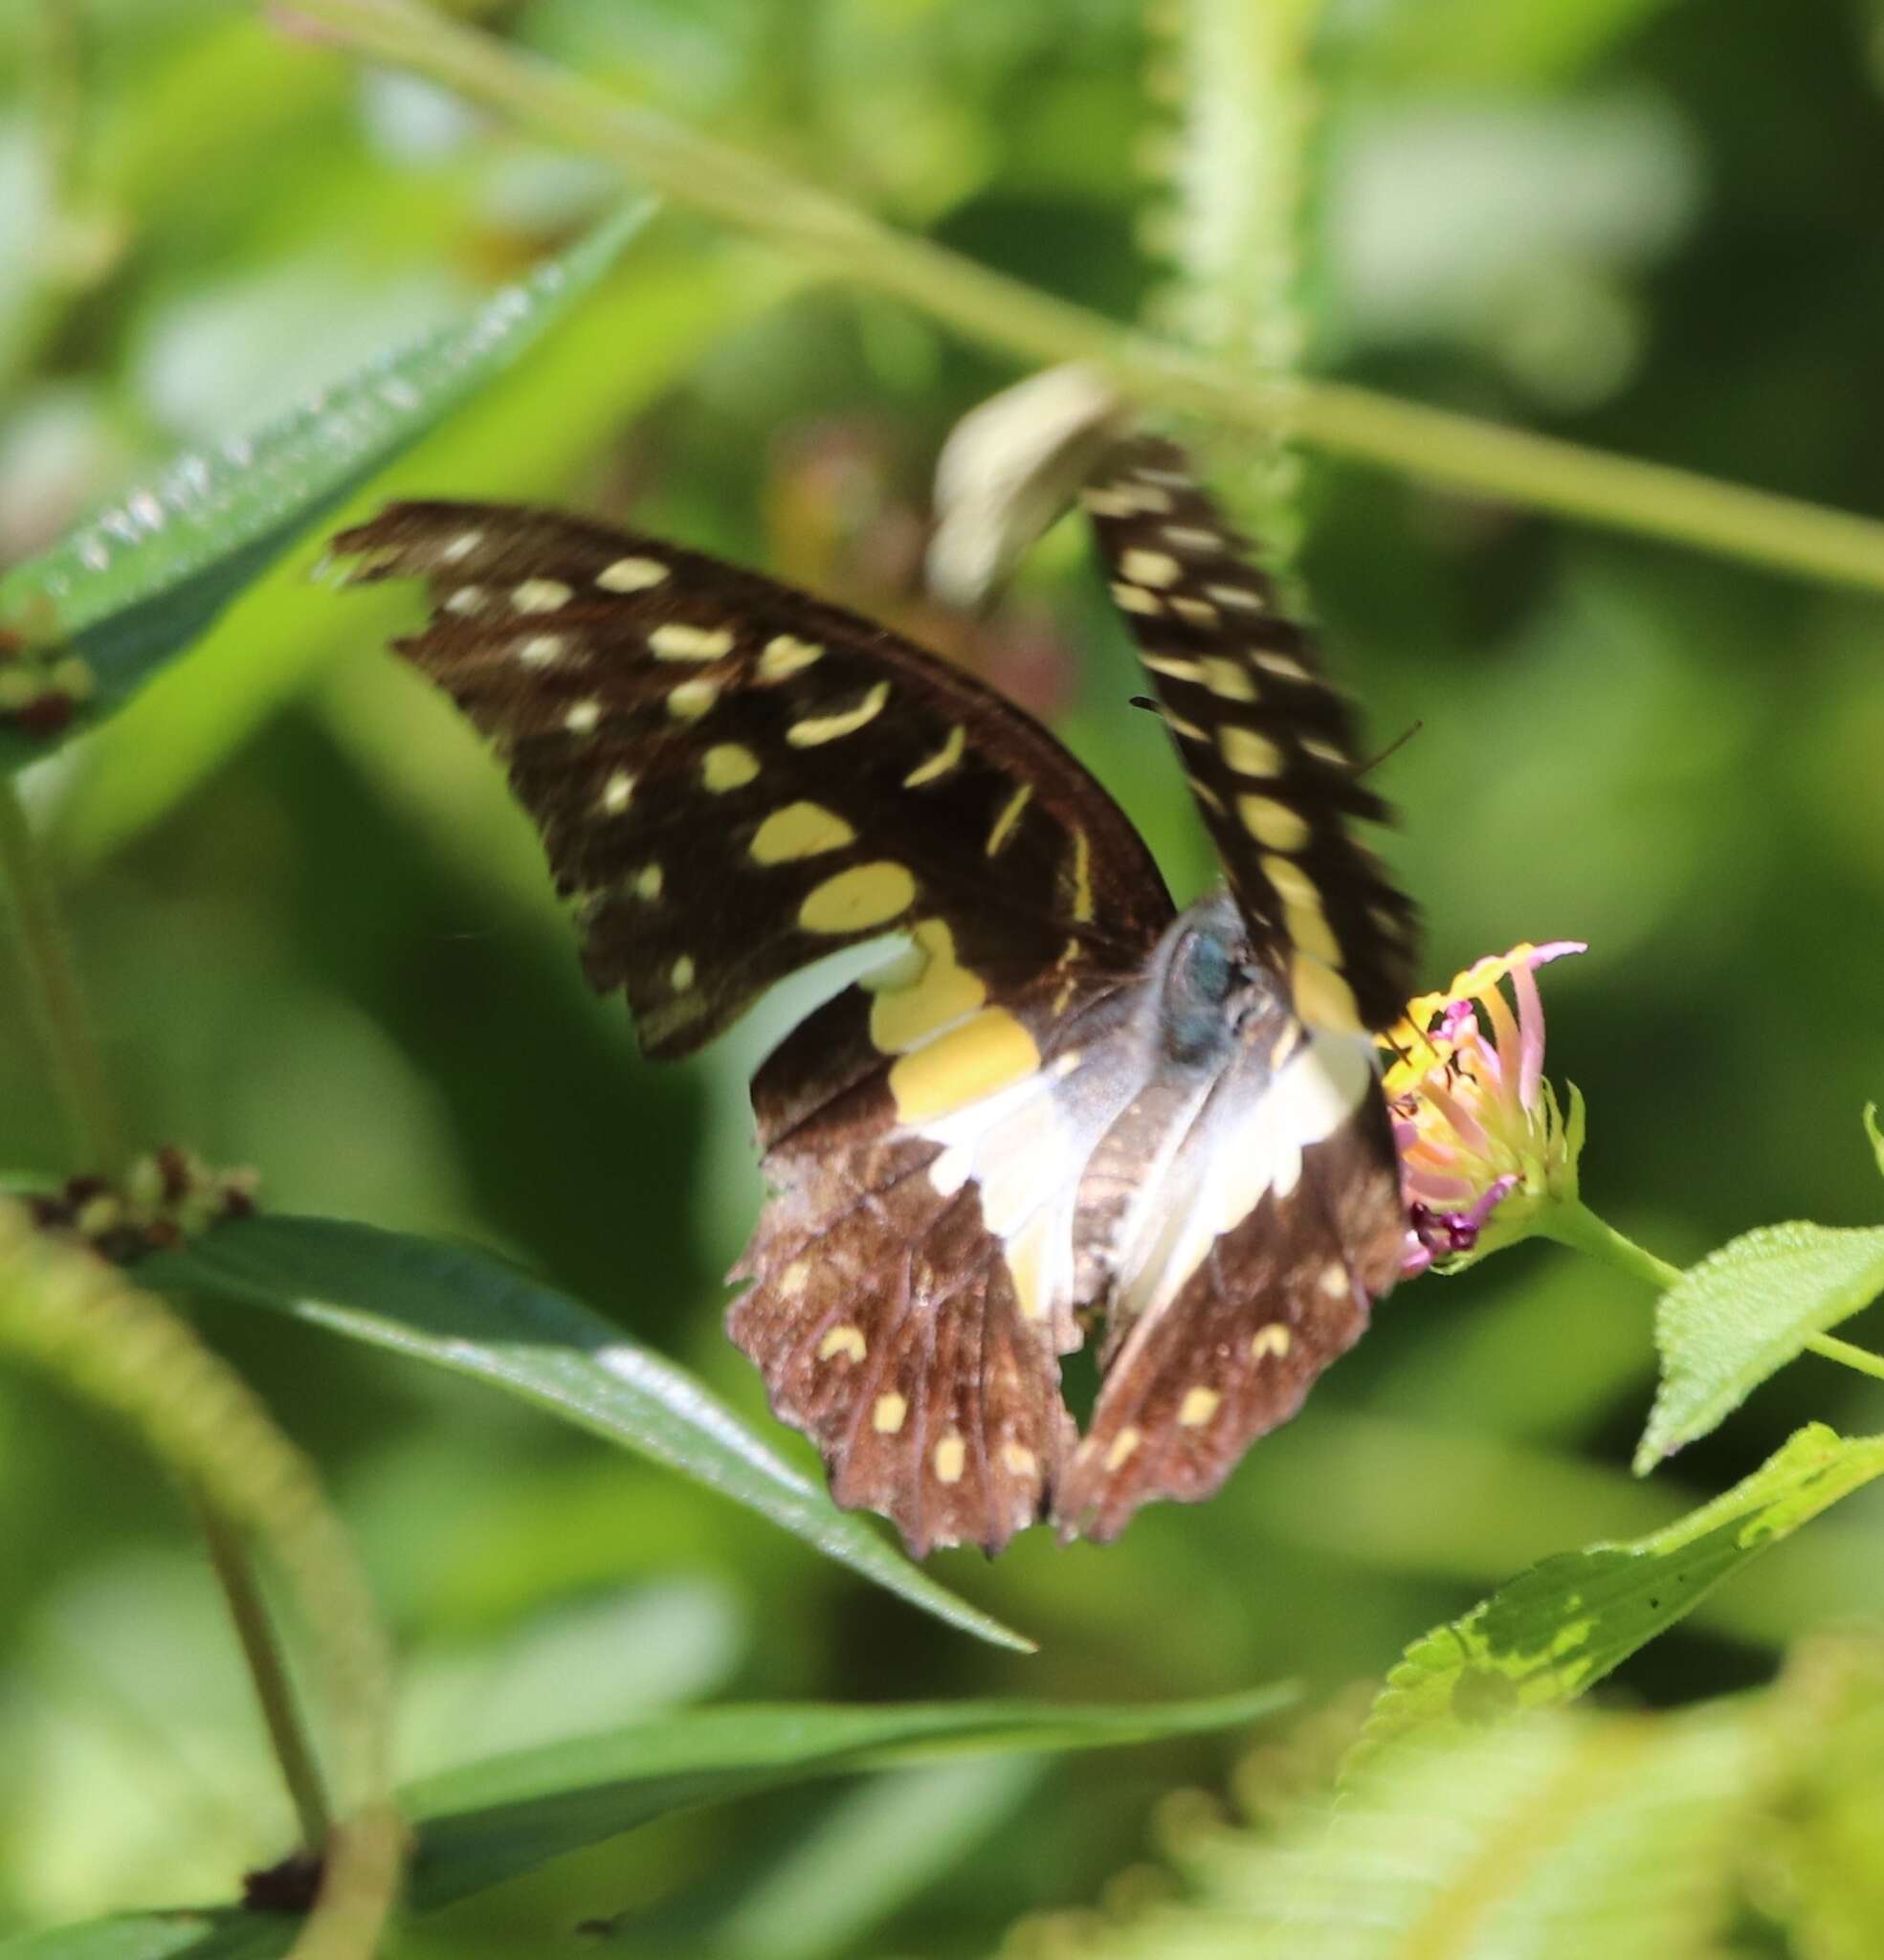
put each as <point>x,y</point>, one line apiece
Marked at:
<point>42,685</point>
<point>162,1201</point>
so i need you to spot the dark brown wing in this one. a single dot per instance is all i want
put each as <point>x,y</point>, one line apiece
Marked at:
<point>734,779</point>
<point>1267,743</point>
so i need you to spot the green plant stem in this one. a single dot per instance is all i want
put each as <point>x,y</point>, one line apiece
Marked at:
<point>99,1141</point>
<point>1577,1226</point>
<point>97,1135</point>
<point>280,1707</point>
<point>1478,458</point>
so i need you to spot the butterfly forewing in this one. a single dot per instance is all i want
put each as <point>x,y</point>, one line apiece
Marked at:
<point>1266,741</point>
<point>733,779</point>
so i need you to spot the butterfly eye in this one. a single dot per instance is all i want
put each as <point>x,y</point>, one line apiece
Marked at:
<point>1197,984</point>
<point>1202,969</point>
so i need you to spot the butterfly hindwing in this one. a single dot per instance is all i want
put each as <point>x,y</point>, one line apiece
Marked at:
<point>1266,741</point>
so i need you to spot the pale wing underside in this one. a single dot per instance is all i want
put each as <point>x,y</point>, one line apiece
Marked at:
<point>1218,1335</point>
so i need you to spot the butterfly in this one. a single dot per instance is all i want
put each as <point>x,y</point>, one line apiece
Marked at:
<point>1061,1104</point>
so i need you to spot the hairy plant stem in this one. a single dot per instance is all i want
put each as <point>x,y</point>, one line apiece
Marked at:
<point>98,1138</point>
<point>1478,458</point>
<point>1577,1226</point>
<point>97,1135</point>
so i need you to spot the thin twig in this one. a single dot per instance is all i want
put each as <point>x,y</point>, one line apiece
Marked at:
<point>1479,459</point>
<point>280,1707</point>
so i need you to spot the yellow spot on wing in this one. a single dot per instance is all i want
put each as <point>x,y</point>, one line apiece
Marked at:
<point>648,881</point>
<point>886,1418</point>
<point>1274,1339</point>
<point>1285,664</point>
<point>1229,679</point>
<point>728,766</point>
<point>785,656</point>
<point>1249,753</point>
<point>691,699</point>
<point>846,1341</point>
<point>1335,1281</point>
<point>1150,568</point>
<point>1199,1405</point>
<point>1011,815</point>
<point>816,728</point>
<point>951,1459</point>
<point>1292,882</point>
<point>1238,598</point>
<point>681,974</point>
<point>1122,1446</point>
<point>1274,825</point>
<point>584,718</point>
<point>864,896</point>
<point>679,642</point>
<point>800,830</point>
<point>941,763</point>
<point>1308,929</point>
<point>466,599</point>
<point>791,1282</point>
<point>616,793</point>
<point>1134,599</point>
<point>541,649</point>
<point>916,1005</point>
<point>1169,664</point>
<point>539,595</point>
<point>1082,875</point>
<point>1196,612</point>
<point>984,1054</point>
<point>630,574</point>
<point>1322,998</point>
<point>1020,1460</point>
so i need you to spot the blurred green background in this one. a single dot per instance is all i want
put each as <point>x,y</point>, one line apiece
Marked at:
<point>316,937</point>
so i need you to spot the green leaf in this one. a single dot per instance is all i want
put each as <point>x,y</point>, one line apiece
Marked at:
<point>1743,1313</point>
<point>479,1825</point>
<point>227,1933</point>
<point>1876,1135</point>
<point>140,585</point>
<point>467,1311</point>
<point>485,1824</point>
<point>520,441</point>
<point>1559,1627</point>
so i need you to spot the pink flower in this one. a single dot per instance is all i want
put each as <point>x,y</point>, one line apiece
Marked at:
<point>1484,1145</point>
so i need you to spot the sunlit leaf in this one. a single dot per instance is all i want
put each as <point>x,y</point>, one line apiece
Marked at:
<point>468,1311</point>
<point>479,1825</point>
<point>1743,1313</point>
<point>135,588</point>
<point>1558,1629</point>
<point>1876,1136</point>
